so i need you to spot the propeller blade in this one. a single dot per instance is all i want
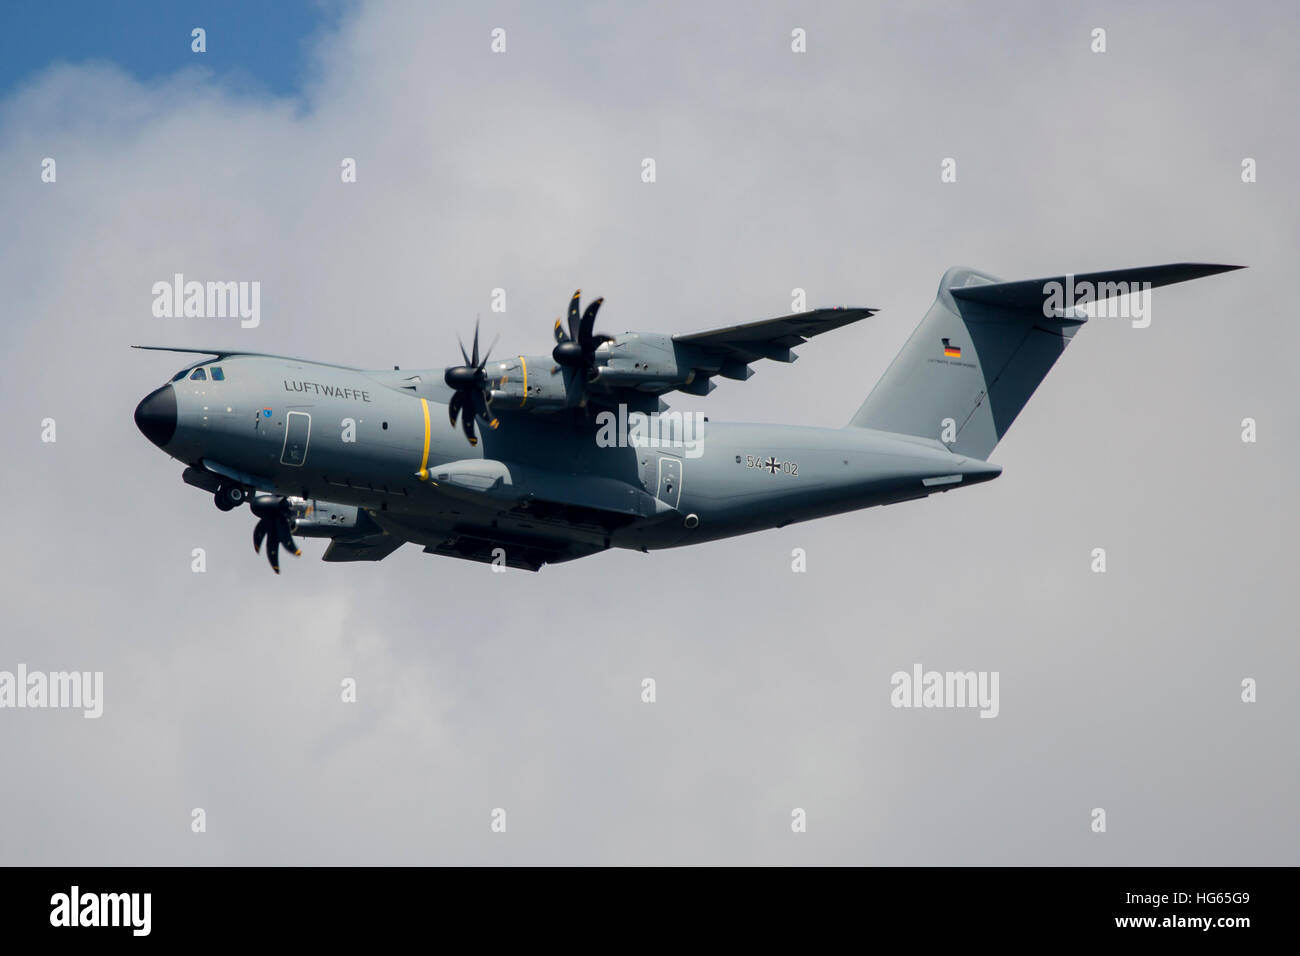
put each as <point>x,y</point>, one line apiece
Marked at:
<point>483,364</point>
<point>286,536</point>
<point>481,409</point>
<point>573,386</point>
<point>588,323</point>
<point>573,315</point>
<point>273,548</point>
<point>471,393</point>
<point>560,334</point>
<point>273,527</point>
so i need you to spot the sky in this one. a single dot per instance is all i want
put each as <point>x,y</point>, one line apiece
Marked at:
<point>256,47</point>
<point>775,171</point>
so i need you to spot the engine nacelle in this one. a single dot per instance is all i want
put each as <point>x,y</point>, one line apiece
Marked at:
<point>527,381</point>
<point>646,360</point>
<point>313,518</point>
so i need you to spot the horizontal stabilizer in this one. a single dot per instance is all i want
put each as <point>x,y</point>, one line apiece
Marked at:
<point>1031,294</point>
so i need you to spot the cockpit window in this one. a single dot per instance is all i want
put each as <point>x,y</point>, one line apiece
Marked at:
<point>217,374</point>
<point>200,375</point>
<point>180,375</point>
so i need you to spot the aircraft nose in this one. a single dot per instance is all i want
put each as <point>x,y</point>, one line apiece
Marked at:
<point>155,416</point>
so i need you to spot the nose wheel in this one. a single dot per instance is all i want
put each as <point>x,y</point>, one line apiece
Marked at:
<point>229,497</point>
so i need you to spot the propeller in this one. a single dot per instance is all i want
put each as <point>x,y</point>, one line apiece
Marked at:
<point>472,393</point>
<point>576,348</point>
<point>273,513</point>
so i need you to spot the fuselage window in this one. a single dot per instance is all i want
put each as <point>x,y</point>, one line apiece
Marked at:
<point>200,375</point>
<point>217,374</point>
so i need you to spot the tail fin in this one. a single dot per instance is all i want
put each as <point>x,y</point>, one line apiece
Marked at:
<point>981,350</point>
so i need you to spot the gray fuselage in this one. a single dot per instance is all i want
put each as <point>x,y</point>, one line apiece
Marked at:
<point>381,441</point>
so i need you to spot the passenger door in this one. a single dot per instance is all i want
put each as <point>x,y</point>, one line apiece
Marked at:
<point>297,433</point>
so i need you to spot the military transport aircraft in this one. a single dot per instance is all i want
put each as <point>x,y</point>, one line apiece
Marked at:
<point>563,455</point>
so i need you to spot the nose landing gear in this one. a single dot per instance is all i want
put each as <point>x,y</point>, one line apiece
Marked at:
<point>228,497</point>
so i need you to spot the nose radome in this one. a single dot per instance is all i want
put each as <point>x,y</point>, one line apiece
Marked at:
<point>155,416</point>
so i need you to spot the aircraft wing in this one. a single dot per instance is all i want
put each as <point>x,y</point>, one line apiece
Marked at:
<point>474,536</point>
<point>527,554</point>
<point>219,354</point>
<point>772,338</point>
<point>373,547</point>
<point>696,357</point>
<point>487,510</point>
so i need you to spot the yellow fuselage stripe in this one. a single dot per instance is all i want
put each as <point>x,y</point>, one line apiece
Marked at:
<point>525,365</point>
<point>424,460</point>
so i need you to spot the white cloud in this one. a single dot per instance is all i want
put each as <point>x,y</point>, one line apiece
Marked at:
<point>775,171</point>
